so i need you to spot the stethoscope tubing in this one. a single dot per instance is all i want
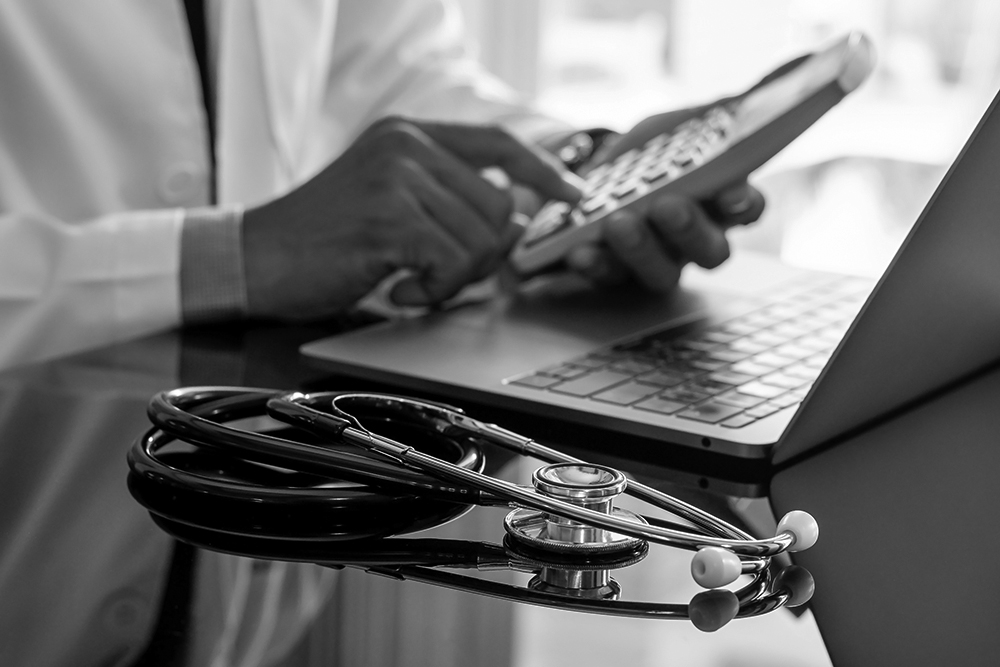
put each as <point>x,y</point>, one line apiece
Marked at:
<point>171,411</point>
<point>190,415</point>
<point>728,537</point>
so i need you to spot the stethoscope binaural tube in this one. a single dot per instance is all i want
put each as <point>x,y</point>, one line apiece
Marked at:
<point>723,552</point>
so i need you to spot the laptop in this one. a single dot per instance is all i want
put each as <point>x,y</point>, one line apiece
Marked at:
<point>756,359</point>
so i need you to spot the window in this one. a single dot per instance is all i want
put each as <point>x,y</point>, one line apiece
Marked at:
<point>845,193</point>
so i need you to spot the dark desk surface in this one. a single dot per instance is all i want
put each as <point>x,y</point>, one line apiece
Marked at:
<point>905,567</point>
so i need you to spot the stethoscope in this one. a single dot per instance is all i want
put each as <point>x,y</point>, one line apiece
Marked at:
<point>274,475</point>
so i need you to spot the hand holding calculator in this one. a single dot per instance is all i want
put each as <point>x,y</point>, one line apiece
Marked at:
<point>702,155</point>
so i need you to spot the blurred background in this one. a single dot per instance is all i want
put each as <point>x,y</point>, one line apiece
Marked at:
<point>843,196</point>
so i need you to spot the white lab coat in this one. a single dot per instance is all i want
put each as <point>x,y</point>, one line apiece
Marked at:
<point>103,138</point>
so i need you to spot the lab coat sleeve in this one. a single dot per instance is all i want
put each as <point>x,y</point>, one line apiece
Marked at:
<point>409,57</point>
<point>113,277</point>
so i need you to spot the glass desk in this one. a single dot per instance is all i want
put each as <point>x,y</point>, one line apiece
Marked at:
<point>904,568</point>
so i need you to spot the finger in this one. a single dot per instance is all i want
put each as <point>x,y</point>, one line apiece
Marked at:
<point>636,246</point>
<point>597,265</point>
<point>492,146</point>
<point>496,261</point>
<point>685,228</point>
<point>738,204</point>
<point>440,265</point>
<point>493,203</point>
<point>442,269</point>
<point>461,222</point>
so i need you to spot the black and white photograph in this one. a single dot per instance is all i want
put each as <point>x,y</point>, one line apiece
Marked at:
<point>503,333</point>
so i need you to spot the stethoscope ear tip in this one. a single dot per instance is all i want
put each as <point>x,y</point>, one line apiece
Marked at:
<point>715,567</point>
<point>711,610</point>
<point>803,528</point>
<point>797,582</point>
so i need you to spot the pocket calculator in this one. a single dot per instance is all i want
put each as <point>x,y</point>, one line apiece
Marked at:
<point>702,155</point>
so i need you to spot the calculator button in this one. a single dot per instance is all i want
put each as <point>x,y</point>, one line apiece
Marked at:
<point>684,160</point>
<point>598,174</point>
<point>576,217</point>
<point>657,142</point>
<point>594,204</point>
<point>627,189</point>
<point>549,220</point>
<point>657,171</point>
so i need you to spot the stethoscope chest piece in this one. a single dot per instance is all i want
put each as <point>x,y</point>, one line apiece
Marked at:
<point>592,486</point>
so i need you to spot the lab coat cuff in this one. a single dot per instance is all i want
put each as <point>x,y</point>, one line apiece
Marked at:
<point>212,279</point>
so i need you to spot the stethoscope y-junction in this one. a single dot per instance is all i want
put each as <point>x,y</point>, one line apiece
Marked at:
<point>238,466</point>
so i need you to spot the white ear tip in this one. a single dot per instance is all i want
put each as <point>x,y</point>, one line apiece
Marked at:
<point>803,528</point>
<point>714,567</point>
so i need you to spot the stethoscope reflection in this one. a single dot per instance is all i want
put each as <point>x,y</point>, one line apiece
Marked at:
<point>568,584</point>
<point>304,492</point>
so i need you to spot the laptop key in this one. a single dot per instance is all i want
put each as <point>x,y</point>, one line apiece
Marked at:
<point>731,377</point>
<point>711,412</point>
<point>747,346</point>
<point>590,362</point>
<point>763,410</point>
<point>632,366</point>
<point>794,351</point>
<point>769,338</point>
<point>760,390</point>
<point>708,364</point>
<point>785,381</point>
<point>708,385</point>
<point>565,372</point>
<point>751,368</point>
<point>591,384</point>
<point>785,400</point>
<point>663,378</point>
<point>802,371</point>
<point>719,336</point>
<point>772,359</point>
<point>626,394</point>
<point>739,420</point>
<point>739,400</point>
<point>684,395</point>
<point>536,381</point>
<point>727,355</point>
<point>660,404</point>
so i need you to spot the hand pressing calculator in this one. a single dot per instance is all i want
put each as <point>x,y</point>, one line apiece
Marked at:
<point>703,155</point>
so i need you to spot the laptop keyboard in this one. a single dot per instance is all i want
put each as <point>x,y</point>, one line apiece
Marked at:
<point>732,372</point>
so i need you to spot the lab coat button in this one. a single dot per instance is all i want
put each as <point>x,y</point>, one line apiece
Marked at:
<point>180,183</point>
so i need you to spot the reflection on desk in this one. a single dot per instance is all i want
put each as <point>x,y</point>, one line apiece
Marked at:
<point>83,568</point>
<point>911,507</point>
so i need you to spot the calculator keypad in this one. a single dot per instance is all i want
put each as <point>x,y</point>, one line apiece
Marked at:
<point>638,172</point>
